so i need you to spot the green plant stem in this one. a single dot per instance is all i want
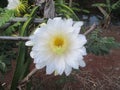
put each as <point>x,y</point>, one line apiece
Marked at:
<point>23,61</point>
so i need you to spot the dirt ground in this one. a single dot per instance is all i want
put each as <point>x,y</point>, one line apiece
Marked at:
<point>101,72</point>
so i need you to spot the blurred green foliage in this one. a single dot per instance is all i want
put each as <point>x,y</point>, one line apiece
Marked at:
<point>7,54</point>
<point>5,15</point>
<point>63,10</point>
<point>68,9</point>
<point>100,45</point>
<point>108,6</point>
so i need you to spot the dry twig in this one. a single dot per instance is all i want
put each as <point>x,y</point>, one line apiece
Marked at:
<point>27,78</point>
<point>93,27</point>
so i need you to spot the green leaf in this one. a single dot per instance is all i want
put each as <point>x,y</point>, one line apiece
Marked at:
<point>85,11</point>
<point>99,4</point>
<point>6,16</point>
<point>108,5</point>
<point>116,5</point>
<point>69,10</point>
<point>11,29</point>
<point>60,1</point>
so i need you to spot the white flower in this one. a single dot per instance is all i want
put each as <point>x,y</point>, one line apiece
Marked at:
<point>13,4</point>
<point>58,46</point>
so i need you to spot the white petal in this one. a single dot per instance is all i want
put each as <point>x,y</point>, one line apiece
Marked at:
<point>50,68</point>
<point>40,65</point>
<point>39,58</point>
<point>12,4</point>
<point>82,63</point>
<point>37,30</point>
<point>60,66</point>
<point>82,51</point>
<point>29,43</point>
<point>68,70</point>
<point>32,54</point>
<point>55,21</point>
<point>77,27</point>
<point>82,40</point>
<point>69,22</point>
<point>71,60</point>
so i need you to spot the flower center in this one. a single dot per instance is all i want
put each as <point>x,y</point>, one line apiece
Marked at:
<point>58,44</point>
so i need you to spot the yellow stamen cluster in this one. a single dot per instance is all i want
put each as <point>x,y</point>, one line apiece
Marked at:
<point>58,44</point>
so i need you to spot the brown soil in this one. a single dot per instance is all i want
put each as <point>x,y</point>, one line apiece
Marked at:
<point>101,72</point>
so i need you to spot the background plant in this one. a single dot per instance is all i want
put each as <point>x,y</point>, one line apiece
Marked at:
<point>100,45</point>
<point>62,9</point>
<point>7,49</point>
<point>107,9</point>
<point>68,9</point>
<point>5,15</point>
